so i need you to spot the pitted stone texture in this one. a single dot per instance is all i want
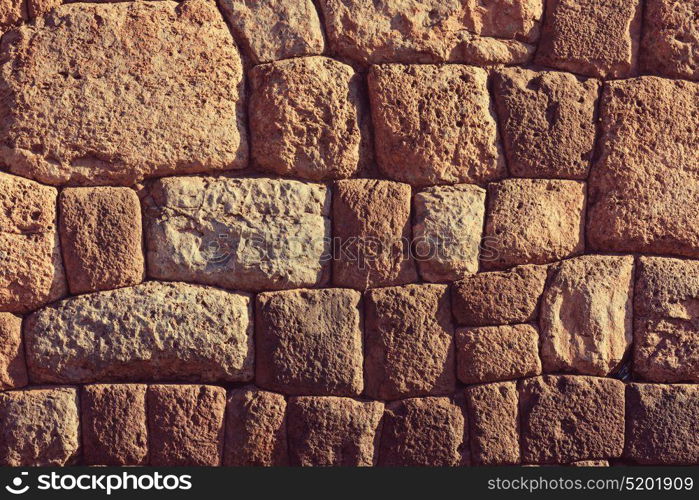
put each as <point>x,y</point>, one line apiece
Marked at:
<point>13,370</point>
<point>243,234</point>
<point>447,229</point>
<point>31,269</point>
<point>305,118</point>
<point>486,51</point>
<point>670,45</point>
<point>533,221</point>
<point>493,423</point>
<point>114,427</point>
<point>569,418</point>
<point>36,8</point>
<point>586,315</point>
<point>126,69</point>
<point>547,121</point>
<point>153,331</point>
<point>275,29</point>
<point>644,189</point>
<point>499,298</point>
<point>39,427</point>
<point>332,431</point>
<point>666,320</point>
<point>185,425</point>
<point>371,229</point>
<point>409,342</point>
<point>423,31</point>
<point>101,238</point>
<point>12,12</point>
<point>434,124</point>
<point>427,432</point>
<point>255,429</point>
<point>591,37</point>
<point>662,424</point>
<point>309,342</point>
<point>492,353</point>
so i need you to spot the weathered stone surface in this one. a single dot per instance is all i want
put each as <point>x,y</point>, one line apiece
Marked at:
<point>662,424</point>
<point>13,370</point>
<point>533,221</point>
<point>670,45</point>
<point>434,124</point>
<point>493,423</point>
<point>569,418</point>
<point>36,8</point>
<point>244,234</point>
<point>39,427</point>
<point>255,429</point>
<point>492,353</point>
<point>591,37</point>
<point>126,69</point>
<point>153,331</point>
<point>309,342</point>
<point>305,118</point>
<point>547,120</point>
<point>643,190</point>
<point>428,432</point>
<point>275,29</point>
<point>332,431</point>
<point>447,230</point>
<point>371,229</point>
<point>499,298</point>
<point>423,31</point>
<point>185,425</point>
<point>101,238</point>
<point>409,342</point>
<point>12,12</point>
<point>114,427</point>
<point>31,269</point>
<point>586,315</point>
<point>485,51</point>
<point>666,320</point>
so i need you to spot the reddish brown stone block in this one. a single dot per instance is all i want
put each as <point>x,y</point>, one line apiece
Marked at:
<point>428,432</point>
<point>185,425</point>
<point>371,229</point>
<point>114,428</point>
<point>493,420</point>
<point>255,428</point>
<point>409,342</point>
<point>13,369</point>
<point>332,431</point>
<point>569,418</point>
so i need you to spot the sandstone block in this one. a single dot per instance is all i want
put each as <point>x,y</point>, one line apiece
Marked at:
<point>547,121</point>
<point>409,342</point>
<point>590,37</point>
<point>255,429</point>
<point>39,427</point>
<point>185,425</point>
<point>114,427</point>
<point>427,432</point>
<point>101,238</point>
<point>533,221</point>
<point>305,118</point>
<point>332,431</point>
<point>309,342</point>
<point>275,29</point>
<point>31,269</point>
<point>371,233</point>
<point>493,420</point>
<point>434,124</point>
<point>12,12</point>
<point>244,234</point>
<point>662,424</point>
<point>153,331</point>
<point>642,191</point>
<point>484,51</point>
<point>492,353</point>
<point>126,69</point>
<point>13,370</point>
<point>586,315</point>
<point>499,298</point>
<point>569,418</point>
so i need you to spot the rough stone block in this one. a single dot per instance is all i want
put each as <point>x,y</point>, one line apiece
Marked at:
<point>13,370</point>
